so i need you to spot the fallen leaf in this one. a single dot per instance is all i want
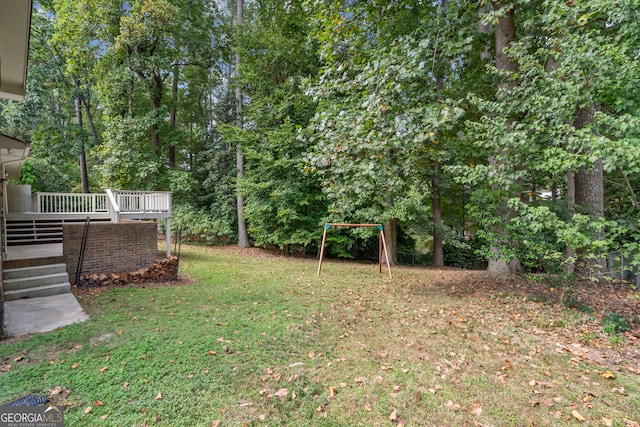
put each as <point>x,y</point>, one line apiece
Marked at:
<point>106,359</point>
<point>578,416</point>
<point>158,396</point>
<point>216,423</point>
<point>332,391</point>
<point>5,368</point>
<point>367,407</point>
<point>608,375</point>
<point>125,385</point>
<point>19,358</point>
<point>293,395</point>
<point>548,403</point>
<point>211,353</point>
<point>607,422</point>
<point>104,417</point>
<point>476,410</point>
<point>104,369</point>
<point>619,390</point>
<point>452,405</point>
<point>87,409</point>
<point>75,365</point>
<point>98,403</point>
<point>394,415</point>
<point>143,410</point>
<point>281,393</point>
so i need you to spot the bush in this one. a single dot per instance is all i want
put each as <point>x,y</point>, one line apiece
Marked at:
<point>464,254</point>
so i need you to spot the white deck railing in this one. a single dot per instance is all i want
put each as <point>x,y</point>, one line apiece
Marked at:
<point>117,203</point>
<point>142,201</point>
<point>69,203</point>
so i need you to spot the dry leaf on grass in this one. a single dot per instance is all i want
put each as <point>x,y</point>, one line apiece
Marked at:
<point>451,405</point>
<point>476,409</point>
<point>578,416</point>
<point>87,409</point>
<point>608,375</point>
<point>281,393</point>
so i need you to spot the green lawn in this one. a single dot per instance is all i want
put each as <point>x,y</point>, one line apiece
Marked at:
<point>257,340</point>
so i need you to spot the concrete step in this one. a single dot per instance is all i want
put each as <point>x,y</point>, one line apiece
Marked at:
<point>35,281</point>
<point>37,292</point>
<point>41,270</point>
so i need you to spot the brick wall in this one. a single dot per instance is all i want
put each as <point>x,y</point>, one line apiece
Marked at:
<point>111,248</point>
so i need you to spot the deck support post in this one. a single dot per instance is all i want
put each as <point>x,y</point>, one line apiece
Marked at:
<point>168,237</point>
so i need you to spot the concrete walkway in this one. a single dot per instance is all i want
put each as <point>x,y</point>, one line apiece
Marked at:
<point>33,315</point>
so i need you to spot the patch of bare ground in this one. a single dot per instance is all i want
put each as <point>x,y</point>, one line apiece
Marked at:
<point>587,341</point>
<point>598,298</point>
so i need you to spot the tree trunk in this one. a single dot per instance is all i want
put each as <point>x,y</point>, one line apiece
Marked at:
<point>589,194</point>
<point>86,104</point>
<point>570,254</point>
<point>505,34</point>
<point>130,90</point>
<point>243,237</point>
<point>156,102</point>
<point>172,116</point>
<point>391,241</point>
<point>438,254</point>
<point>82,158</point>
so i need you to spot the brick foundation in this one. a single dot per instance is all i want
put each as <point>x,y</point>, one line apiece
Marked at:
<point>111,248</point>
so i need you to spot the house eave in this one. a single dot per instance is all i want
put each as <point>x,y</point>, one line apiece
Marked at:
<point>12,155</point>
<point>15,24</point>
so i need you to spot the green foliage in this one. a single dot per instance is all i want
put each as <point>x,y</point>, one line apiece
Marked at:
<point>463,254</point>
<point>43,176</point>
<point>613,324</point>
<point>353,111</point>
<point>199,224</point>
<point>283,206</point>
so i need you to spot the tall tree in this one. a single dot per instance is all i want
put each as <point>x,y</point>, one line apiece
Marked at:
<point>243,236</point>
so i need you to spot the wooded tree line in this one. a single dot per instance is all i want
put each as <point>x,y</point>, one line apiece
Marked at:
<point>502,130</point>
